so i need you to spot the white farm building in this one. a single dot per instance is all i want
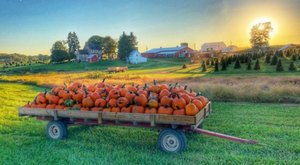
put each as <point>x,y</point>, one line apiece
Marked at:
<point>135,57</point>
<point>213,46</point>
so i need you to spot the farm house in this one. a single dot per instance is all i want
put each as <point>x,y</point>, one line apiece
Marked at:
<point>178,51</point>
<point>213,46</point>
<point>135,57</point>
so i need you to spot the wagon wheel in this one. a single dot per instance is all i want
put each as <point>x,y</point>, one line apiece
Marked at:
<point>57,130</point>
<point>171,140</point>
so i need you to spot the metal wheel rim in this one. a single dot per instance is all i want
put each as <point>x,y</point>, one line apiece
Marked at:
<point>54,131</point>
<point>170,143</point>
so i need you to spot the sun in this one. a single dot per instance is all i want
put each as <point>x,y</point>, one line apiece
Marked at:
<point>262,20</point>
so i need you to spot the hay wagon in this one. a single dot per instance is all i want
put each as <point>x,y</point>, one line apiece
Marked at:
<point>173,127</point>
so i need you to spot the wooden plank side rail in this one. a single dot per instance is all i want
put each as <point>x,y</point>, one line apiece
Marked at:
<point>135,118</point>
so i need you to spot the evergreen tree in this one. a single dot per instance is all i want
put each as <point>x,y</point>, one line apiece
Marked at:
<point>249,64</point>
<point>217,65</point>
<point>203,66</point>
<point>279,66</point>
<point>294,58</point>
<point>126,44</point>
<point>292,66</point>
<point>268,58</point>
<point>73,44</point>
<point>212,62</point>
<point>229,59</point>
<point>207,62</point>
<point>224,66</point>
<point>257,66</point>
<point>274,60</point>
<point>237,64</point>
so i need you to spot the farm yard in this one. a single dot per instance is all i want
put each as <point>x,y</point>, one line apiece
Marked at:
<point>276,129</point>
<point>133,82</point>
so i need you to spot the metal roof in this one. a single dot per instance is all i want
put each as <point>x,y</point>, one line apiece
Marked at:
<point>168,49</point>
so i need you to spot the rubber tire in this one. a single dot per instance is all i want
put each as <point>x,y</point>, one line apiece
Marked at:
<point>182,141</point>
<point>61,126</point>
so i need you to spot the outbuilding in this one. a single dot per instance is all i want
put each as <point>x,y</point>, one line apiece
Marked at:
<point>135,57</point>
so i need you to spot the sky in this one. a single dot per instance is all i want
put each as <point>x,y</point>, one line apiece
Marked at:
<point>32,26</point>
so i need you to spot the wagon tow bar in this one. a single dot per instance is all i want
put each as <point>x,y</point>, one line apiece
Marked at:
<point>223,136</point>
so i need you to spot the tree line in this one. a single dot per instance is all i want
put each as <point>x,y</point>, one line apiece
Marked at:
<point>111,49</point>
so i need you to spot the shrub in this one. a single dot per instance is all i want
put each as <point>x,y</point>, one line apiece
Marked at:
<point>217,66</point>
<point>257,66</point>
<point>294,58</point>
<point>279,66</point>
<point>237,64</point>
<point>249,64</point>
<point>292,66</point>
<point>184,66</point>
<point>268,58</point>
<point>203,66</point>
<point>274,60</point>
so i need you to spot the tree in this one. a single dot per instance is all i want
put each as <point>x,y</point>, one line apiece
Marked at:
<point>279,66</point>
<point>109,46</point>
<point>292,66</point>
<point>207,62</point>
<point>212,62</point>
<point>126,44</point>
<point>237,64</point>
<point>268,58</point>
<point>274,60</point>
<point>59,52</point>
<point>260,35</point>
<point>249,64</point>
<point>294,58</point>
<point>257,66</point>
<point>73,44</point>
<point>95,42</point>
<point>203,65</point>
<point>217,65</point>
<point>223,63</point>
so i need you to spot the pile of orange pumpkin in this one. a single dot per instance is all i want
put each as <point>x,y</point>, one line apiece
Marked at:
<point>170,99</point>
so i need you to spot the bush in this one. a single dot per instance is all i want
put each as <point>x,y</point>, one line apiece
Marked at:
<point>279,66</point>
<point>249,65</point>
<point>292,66</point>
<point>294,58</point>
<point>184,66</point>
<point>217,66</point>
<point>274,60</point>
<point>237,64</point>
<point>203,66</point>
<point>268,58</point>
<point>257,66</point>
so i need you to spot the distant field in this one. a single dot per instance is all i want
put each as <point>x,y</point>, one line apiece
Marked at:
<point>275,126</point>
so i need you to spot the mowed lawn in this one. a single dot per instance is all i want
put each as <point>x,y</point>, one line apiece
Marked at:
<point>275,126</point>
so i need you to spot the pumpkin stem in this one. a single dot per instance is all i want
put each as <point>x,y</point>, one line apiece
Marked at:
<point>185,87</point>
<point>145,86</point>
<point>154,82</point>
<point>45,92</point>
<point>137,86</point>
<point>104,79</point>
<point>123,86</point>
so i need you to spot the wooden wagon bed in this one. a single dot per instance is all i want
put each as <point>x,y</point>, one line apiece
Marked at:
<point>90,117</point>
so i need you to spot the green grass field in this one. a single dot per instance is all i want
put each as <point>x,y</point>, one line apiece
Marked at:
<point>275,126</point>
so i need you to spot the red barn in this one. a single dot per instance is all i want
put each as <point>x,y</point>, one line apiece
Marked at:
<point>179,51</point>
<point>93,58</point>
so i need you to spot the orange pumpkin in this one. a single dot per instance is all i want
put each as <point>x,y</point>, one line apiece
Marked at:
<point>115,109</point>
<point>60,107</point>
<point>51,106</point>
<point>61,101</point>
<point>154,88</point>
<point>84,109</point>
<point>87,102</point>
<point>64,94</point>
<point>106,110</point>
<point>77,96</point>
<point>198,103</point>
<point>178,103</point>
<point>112,103</point>
<point>41,106</point>
<point>203,100</point>
<point>114,94</point>
<point>91,88</point>
<point>191,109</point>
<point>122,102</point>
<point>186,97</point>
<point>100,103</point>
<point>130,97</point>
<point>153,103</point>
<point>101,84</point>
<point>127,109</point>
<point>179,112</point>
<point>149,110</point>
<point>138,109</point>
<point>165,110</point>
<point>96,109</point>
<point>94,96</point>
<point>141,100</point>
<point>41,99</point>
<point>165,101</point>
<point>123,91</point>
<point>164,92</point>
